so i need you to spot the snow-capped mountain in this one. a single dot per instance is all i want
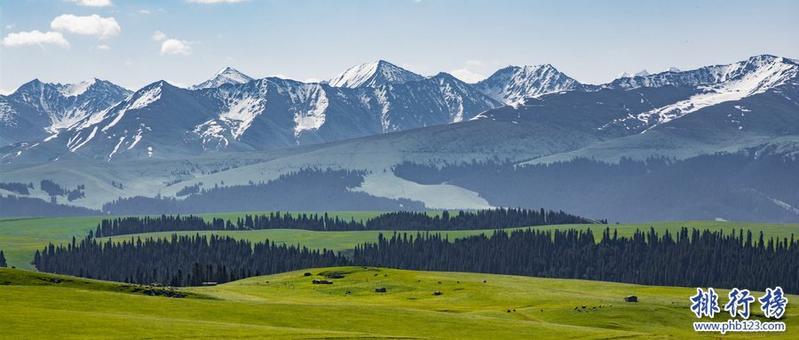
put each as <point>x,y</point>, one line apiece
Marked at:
<point>164,121</point>
<point>373,74</point>
<point>704,76</point>
<point>39,109</point>
<point>227,75</point>
<point>714,85</point>
<point>512,84</point>
<point>273,112</point>
<point>161,120</point>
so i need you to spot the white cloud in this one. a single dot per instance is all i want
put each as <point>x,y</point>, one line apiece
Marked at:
<point>86,25</point>
<point>467,75</point>
<point>103,47</point>
<point>35,38</point>
<point>93,3</point>
<point>144,12</point>
<point>215,1</point>
<point>159,36</point>
<point>175,47</point>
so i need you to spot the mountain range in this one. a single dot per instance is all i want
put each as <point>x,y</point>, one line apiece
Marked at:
<point>378,118</point>
<point>234,112</point>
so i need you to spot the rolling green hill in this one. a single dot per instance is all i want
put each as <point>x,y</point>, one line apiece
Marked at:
<point>21,237</point>
<point>288,305</point>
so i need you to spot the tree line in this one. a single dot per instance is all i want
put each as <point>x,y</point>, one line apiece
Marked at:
<point>179,261</point>
<point>694,259</point>
<point>688,258</point>
<point>402,220</point>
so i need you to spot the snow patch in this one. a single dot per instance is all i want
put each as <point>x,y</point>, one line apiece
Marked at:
<point>435,196</point>
<point>314,118</point>
<point>146,98</point>
<point>78,146</point>
<point>74,90</point>
<point>784,205</point>
<point>121,139</point>
<point>241,114</point>
<point>372,74</point>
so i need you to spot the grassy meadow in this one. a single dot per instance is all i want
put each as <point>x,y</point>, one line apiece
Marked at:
<point>287,305</point>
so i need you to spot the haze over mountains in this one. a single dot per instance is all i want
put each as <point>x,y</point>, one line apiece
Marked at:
<point>377,118</point>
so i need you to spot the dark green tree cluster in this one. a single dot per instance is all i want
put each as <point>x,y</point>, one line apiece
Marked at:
<point>16,187</point>
<point>469,220</point>
<point>3,263</point>
<point>179,261</point>
<point>694,258</point>
<point>689,258</point>
<point>147,224</point>
<point>404,220</point>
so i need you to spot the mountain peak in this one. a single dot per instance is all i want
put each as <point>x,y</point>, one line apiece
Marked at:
<point>512,84</point>
<point>376,73</point>
<point>227,75</point>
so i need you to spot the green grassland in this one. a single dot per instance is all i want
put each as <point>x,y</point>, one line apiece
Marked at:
<point>20,238</point>
<point>472,306</point>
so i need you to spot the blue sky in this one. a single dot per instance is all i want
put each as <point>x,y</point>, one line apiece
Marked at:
<point>592,41</point>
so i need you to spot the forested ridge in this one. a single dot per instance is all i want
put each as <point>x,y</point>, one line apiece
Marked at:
<point>402,220</point>
<point>688,258</point>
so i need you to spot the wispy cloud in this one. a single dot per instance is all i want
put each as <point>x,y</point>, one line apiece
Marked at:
<point>93,3</point>
<point>35,38</point>
<point>94,24</point>
<point>215,1</point>
<point>159,36</point>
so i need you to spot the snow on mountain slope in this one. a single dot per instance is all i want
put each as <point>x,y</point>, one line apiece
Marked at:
<point>373,74</point>
<point>227,75</point>
<point>38,109</point>
<point>732,82</point>
<point>72,90</point>
<point>376,98</point>
<point>512,84</point>
<point>708,75</point>
<point>151,121</point>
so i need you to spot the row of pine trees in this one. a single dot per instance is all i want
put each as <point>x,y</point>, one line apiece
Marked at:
<point>687,258</point>
<point>404,220</point>
<point>179,261</point>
